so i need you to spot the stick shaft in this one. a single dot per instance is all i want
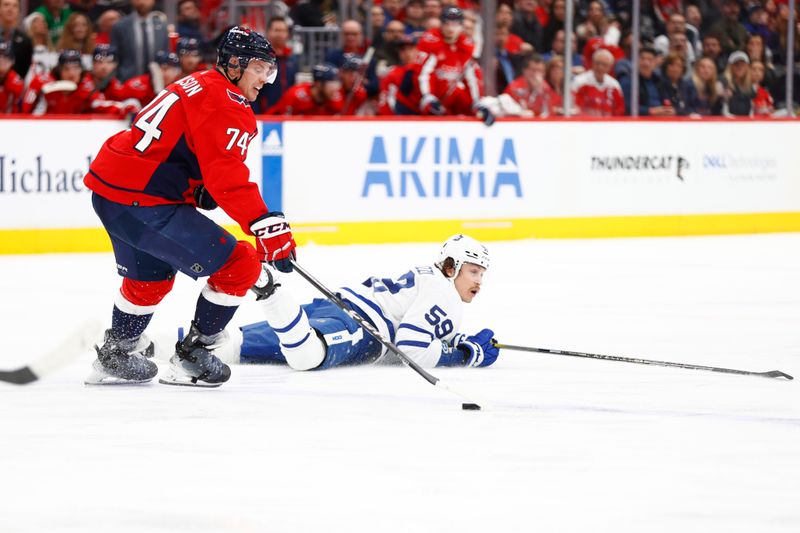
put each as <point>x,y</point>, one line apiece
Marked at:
<point>636,360</point>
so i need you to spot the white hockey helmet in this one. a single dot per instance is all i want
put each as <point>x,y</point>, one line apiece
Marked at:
<point>463,249</point>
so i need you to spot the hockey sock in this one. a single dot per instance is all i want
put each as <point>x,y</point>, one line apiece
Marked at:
<point>300,344</point>
<point>214,310</point>
<point>135,304</point>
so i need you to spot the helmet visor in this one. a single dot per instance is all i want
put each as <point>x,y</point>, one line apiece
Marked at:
<point>259,67</point>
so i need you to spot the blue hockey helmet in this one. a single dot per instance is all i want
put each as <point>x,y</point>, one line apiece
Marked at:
<point>188,45</point>
<point>452,14</point>
<point>325,72</point>
<point>6,50</point>
<point>239,45</point>
<point>69,57</point>
<point>105,51</point>
<point>168,58</point>
<point>351,62</point>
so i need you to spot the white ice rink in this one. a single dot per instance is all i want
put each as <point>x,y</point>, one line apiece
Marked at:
<point>571,445</point>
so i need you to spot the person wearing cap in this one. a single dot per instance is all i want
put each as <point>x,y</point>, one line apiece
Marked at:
<point>391,98</point>
<point>739,91</point>
<point>320,97</point>
<point>278,34</point>
<point>11,83</point>
<point>732,34</point>
<point>104,65</point>
<point>70,90</point>
<point>188,50</point>
<point>10,32</point>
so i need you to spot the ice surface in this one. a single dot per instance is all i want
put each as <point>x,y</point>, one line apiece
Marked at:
<point>571,445</point>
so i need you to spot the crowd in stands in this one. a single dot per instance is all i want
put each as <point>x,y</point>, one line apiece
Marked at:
<point>697,57</point>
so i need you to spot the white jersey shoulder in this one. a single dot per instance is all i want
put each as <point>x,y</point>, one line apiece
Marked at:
<point>417,310</point>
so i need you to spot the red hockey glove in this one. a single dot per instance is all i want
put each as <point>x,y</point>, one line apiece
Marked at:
<point>274,240</point>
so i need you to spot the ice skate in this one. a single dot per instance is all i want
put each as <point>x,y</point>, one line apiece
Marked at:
<point>122,361</point>
<point>194,365</point>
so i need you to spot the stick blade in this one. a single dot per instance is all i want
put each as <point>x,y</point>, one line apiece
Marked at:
<point>777,374</point>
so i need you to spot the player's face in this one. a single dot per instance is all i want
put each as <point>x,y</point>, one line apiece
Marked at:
<point>189,62</point>
<point>468,282</point>
<point>5,64</point>
<point>451,30</point>
<point>71,72</point>
<point>103,68</point>
<point>170,73</point>
<point>257,74</point>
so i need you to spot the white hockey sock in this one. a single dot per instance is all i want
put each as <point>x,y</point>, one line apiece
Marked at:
<point>300,344</point>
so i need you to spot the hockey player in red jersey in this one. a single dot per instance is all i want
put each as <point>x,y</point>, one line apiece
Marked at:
<point>188,50</point>
<point>353,91</point>
<point>448,78</point>
<point>11,85</point>
<point>399,94</point>
<point>186,150</point>
<point>69,90</point>
<point>323,96</point>
<point>163,71</point>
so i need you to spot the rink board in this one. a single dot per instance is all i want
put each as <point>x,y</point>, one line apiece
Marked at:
<point>369,181</point>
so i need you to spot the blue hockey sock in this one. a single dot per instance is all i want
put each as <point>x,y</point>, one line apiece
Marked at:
<point>127,325</point>
<point>211,317</point>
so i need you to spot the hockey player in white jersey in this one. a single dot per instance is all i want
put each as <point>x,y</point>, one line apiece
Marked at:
<point>420,312</point>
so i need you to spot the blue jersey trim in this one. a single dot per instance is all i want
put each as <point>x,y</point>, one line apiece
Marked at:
<point>416,344</point>
<point>292,324</point>
<point>296,344</point>
<point>412,327</point>
<point>375,308</point>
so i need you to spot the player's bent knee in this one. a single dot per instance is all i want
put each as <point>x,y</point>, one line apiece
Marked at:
<point>239,272</point>
<point>306,355</point>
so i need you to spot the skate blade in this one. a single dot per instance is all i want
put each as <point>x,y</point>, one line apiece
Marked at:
<point>102,379</point>
<point>184,380</point>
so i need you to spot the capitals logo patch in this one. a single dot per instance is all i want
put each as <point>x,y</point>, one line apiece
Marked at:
<point>239,99</point>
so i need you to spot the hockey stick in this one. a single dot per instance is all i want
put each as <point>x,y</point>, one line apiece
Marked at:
<point>64,352</point>
<point>433,380</point>
<point>770,374</point>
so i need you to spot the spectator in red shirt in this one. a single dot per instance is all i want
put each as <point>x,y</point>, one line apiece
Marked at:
<point>532,92</point>
<point>11,84</point>
<point>514,43</point>
<point>322,96</point>
<point>554,76</point>
<point>596,93</point>
<point>763,104</point>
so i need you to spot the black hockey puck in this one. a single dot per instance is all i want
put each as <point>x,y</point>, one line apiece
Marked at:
<point>470,407</point>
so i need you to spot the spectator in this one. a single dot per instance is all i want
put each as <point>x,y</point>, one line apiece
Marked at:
<point>709,90</point>
<point>526,23</point>
<point>676,90</point>
<point>353,92</point>
<point>278,36</point>
<point>650,102</point>
<point>471,30</point>
<point>378,21</point>
<point>433,9</point>
<point>21,45</point>
<point>311,14</point>
<point>506,70</point>
<point>514,44</point>
<point>11,83</point>
<point>756,51</point>
<point>352,43</point>
<point>555,23</point>
<point>415,18</point>
<point>763,104</point>
<point>554,76</point>
<point>56,13</point>
<point>731,33</point>
<point>694,22</point>
<point>596,93</point>
<point>782,27</point>
<point>679,44</point>
<point>322,96</point>
<point>664,9</point>
<point>387,54</point>
<point>78,35</point>
<point>188,21</point>
<point>104,24</point>
<point>189,56</point>
<point>532,92</point>
<point>393,9</point>
<point>597,25</point>
<point>712,49</point>
<point>757,23</point>
<point>558,50</point>
<point>137,37</point>
<point>739,91</point>
<point>44,56</point>
<point>677,24</point>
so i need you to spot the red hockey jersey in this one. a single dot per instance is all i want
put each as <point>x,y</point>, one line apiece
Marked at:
<point>44,91</point>
<point>195,131</point>
<point>297,100</point>
<point>543,103</point>
<point>447,68</point>
<point>598,99</point>
<point>392,88</point>
<point>11,88</point>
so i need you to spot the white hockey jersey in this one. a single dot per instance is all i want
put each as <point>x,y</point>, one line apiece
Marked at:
<point>417,311</point>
